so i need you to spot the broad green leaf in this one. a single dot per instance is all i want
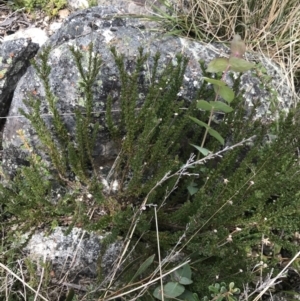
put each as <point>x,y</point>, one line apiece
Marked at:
<point>214,288</point>
<point>173,289</point>
<point>158,293</point>
<point>216,135</point>
<point>223,289</point>
<point>199,122</point>
<point>225,92</point>
<point>240,65</point>
<point>192,188</point>
<point>185,271</point>
<point>204,105</point>
<point>188,296</point>
<point>143,267</point>
<point>221,106</point>
<point>213,81</point>
<point>231,285</point>
<point>202,150</point>
<point>217,65</point>
<point>185,281</point>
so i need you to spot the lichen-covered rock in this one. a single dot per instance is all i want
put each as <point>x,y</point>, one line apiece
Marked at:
<point>105,28</point>
<point>36,35</point>
<point>14,61</point>
<point>74,256</point>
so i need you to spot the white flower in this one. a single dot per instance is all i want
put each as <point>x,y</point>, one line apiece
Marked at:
<point>115,185</point>
<point>266,241</point>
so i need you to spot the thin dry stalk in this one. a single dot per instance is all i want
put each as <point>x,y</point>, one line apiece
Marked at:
<point>272,282</point>
<point>159,255</point>
<point>22,274</point>
<point>41,279</point>
<point>22,281</point>
<point>146,284</point>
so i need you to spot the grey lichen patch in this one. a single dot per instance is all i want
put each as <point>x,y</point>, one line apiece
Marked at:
<point>60,249</point>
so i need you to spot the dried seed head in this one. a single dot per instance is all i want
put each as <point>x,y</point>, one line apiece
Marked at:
<point>237,47</point>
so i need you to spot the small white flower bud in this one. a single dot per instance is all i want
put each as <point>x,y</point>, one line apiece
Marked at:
<point>229,238</point>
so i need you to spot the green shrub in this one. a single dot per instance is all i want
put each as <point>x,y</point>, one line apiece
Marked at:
<point>51,7</point>
<point>244,194</point>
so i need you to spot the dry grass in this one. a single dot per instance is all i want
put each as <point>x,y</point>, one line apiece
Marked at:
<point>270,27</point>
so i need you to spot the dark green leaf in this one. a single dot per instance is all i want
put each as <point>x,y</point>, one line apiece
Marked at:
<point>216,135</point>
<point>185,271</point>
<point>192,188</point>
<point>173,289</point>
<point>226,93</point>
<point>202,150</point>
<point>188,296</point>
<point>216,82</point>
<point>199,122</point>
<point>204,105</point>
<point>143,267</point>
<point>221,106</point>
